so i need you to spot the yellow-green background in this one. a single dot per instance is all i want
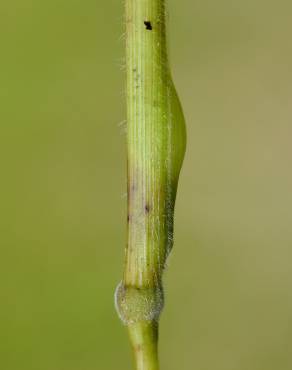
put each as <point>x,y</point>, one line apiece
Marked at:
<point>62,229</point>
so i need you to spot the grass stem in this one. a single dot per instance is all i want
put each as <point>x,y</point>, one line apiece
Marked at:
<point>155,145</point>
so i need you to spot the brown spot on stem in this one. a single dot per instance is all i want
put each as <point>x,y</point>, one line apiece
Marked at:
<point>147,208</point>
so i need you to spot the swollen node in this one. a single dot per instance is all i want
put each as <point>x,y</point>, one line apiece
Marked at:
<point>138,304</point>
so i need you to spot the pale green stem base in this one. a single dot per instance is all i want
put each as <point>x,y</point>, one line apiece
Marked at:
<point>144,338</point>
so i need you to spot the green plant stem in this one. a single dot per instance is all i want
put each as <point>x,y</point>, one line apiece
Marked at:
<point>155,146</point>
<point>144,337</point>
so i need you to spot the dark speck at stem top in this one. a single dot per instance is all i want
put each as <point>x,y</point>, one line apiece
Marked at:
<point>148,25</point>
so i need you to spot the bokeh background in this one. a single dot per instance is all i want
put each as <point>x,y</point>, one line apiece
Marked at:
<point>62,229</point>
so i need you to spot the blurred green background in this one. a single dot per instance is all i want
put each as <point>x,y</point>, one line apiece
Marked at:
<point>62,229</point>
